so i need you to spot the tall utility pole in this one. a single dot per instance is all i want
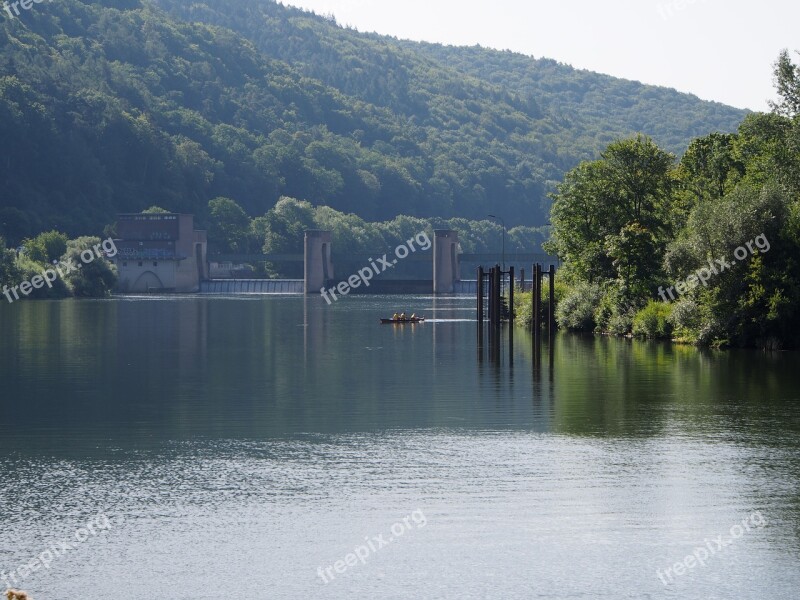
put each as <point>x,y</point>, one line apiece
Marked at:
<point>504,238</point>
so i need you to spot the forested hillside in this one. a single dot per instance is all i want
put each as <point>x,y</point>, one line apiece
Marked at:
<point>117,106</point>
<point>596,107</point>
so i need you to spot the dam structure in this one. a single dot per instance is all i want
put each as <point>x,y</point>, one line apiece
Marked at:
<point>437,270</point>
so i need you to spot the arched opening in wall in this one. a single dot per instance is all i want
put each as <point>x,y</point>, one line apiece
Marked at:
<point>147,282</point>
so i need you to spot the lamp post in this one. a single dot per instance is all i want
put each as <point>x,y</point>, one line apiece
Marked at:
<point>504,238</point>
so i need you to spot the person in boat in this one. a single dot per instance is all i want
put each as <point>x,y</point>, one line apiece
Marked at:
<point>413,316</point>
<point>395,317</point>
<point>402,316</point>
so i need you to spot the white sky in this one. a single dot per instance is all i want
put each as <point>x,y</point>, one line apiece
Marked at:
<point>719,50</point>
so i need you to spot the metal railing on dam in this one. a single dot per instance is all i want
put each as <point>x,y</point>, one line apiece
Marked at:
<point>295,286</point>
<point>252,286</point>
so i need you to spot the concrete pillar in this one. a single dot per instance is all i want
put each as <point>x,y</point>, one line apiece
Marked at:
<point>318,262</point>
<point>446,269</point>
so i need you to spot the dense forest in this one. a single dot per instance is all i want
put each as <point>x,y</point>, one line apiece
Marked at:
<point>704,249</point>
<point>116,106</point>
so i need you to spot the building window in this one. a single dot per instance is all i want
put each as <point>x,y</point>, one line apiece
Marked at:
<point>140,263</point>
<point>155,263</point>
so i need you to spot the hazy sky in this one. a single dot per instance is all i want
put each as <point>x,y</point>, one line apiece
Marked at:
<point>716,49</point>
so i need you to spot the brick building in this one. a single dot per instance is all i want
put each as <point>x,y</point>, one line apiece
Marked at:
<point>160,253</point>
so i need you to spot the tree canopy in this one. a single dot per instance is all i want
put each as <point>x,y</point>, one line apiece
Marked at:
<point>114,107</point>
<point>715,235</point>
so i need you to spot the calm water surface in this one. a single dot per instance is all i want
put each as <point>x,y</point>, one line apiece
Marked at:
<point>242,446</point>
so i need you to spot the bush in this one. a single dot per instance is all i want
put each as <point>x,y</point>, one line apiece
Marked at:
<point>620,324</point>
<point>685,317</point>
<point>606,309</point>
<point>695,323</point>
<point>616,309</point>
<point>523,302</point>
<point>653,321</point>
<point>9,272</point>
<point>95,278</point>
<point>29,268</point>
<point>577,309</point>
<point>46,247</point>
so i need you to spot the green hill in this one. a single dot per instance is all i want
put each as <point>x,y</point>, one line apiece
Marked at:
<point>116,107</point>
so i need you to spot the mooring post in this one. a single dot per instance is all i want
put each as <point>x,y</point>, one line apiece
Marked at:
<point>537,299</point>
<point>492,298</point>
<point>498,282</point>
<point>533,298</point>
<point>551,316</point>
<point>511,296</point>
<point>522,280</point>
<point>480,296</point>
<point>490,294</point>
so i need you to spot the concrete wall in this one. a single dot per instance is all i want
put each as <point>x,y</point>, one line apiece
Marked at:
<point>141,276</point>
<point>318,270</point>
<point>446,270</point>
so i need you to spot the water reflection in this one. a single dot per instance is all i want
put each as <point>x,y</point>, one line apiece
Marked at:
<point>224,429</point>
<point>97,374</point>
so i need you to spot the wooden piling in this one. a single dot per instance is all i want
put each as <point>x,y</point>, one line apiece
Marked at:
<point>490,295</point>
<point>498,281</point>
<point>551,315</point>
<point>511,296</point>
<point>480,296</point>
<point>537,299</point>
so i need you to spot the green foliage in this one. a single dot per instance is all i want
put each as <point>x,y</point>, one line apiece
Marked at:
<point>281,231</point>
<point>612,215</point>
<point>733,203</point>
<point>127,105</point>
<point>10,274</point>
<point>94,278</point>
<point>155,210</point>
<point>635,256</point>
<point>787,83</point>
<point>523,302</point>
<point>28,269</point>
<point>229,226</point>
<point>46,247</point>
<point>575,312</point>
<point>284,226</point>
<point>708,170</point>
<point>653,321</point>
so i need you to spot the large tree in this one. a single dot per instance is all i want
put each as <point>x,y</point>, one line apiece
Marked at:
<point>229,226</point>
<point>787,84</point>
<point>628,188</point>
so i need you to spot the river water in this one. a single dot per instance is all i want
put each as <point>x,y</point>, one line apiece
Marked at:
<point>277,447</point>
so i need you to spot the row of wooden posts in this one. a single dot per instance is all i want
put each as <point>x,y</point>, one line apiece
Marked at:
<point>491,283</point>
